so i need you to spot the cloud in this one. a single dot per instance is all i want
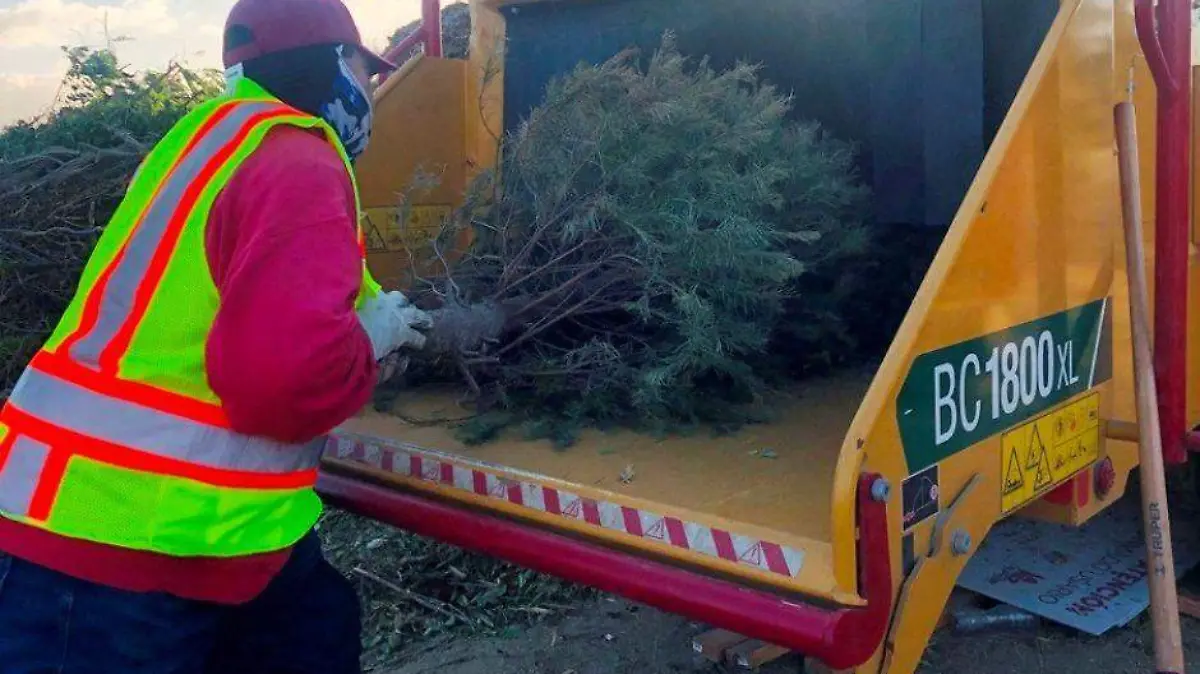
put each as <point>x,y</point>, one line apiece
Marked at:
<point>26,96</point>
<point>378,19</point>
<point>53,23</point>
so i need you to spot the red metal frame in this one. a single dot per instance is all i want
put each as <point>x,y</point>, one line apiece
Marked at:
<point>429,34</point>
<point>843,638</point>
<point>1165,32</point>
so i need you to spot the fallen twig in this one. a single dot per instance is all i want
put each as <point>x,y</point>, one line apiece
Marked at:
<point>426,602</point>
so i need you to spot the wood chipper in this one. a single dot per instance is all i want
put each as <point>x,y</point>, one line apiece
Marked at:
<point>1007,390</point>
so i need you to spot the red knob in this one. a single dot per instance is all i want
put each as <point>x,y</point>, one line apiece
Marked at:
<point>1106,477</point>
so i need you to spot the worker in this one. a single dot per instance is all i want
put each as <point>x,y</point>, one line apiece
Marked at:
<point>158,457</point>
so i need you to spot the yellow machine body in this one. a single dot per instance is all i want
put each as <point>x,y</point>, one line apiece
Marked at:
<point>1037,236</point>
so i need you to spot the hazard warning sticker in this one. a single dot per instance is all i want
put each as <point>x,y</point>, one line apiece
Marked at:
<point>385,231</point>
<point>1047,451</point>
<point>921,497</point>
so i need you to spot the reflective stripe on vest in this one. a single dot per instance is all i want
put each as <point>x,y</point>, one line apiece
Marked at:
<point>124,434</point>
<point>154,433</point>
<point>21,463</point>
<point>123,291</point>
<point>37,458</point>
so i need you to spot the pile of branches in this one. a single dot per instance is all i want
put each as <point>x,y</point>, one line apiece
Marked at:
<point>656,230</point>
<point>61,178</point>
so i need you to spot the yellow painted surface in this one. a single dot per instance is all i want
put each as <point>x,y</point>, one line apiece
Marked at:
<point>923,595</point>
<point>421,114</point>
<point>730,483</point>
<point>438,117</point>
<point>1038,232</point>
<point>1128,63</point>
<point>421,128</point>
<point>485,86</point>
<point>1048,451</point>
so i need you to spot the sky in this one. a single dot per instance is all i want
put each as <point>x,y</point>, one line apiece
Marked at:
<point>32,33</point>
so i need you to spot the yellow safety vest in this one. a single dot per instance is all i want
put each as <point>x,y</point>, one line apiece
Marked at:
<point>112,434</point>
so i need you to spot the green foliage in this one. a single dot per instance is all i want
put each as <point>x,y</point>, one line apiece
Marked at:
<point>650,235</point>
<point>63,175</point>
<point>817,332</point>
<point>103,106</point>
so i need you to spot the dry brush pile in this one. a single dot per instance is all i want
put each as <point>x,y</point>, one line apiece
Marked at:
<point>63,175</point>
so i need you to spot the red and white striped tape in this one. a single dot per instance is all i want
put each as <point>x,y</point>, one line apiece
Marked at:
<point>484,480</point>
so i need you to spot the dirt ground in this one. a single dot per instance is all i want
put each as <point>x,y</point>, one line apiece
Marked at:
<point>615,637</point>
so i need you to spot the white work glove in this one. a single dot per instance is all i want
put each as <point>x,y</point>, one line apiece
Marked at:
<point>392,324</point>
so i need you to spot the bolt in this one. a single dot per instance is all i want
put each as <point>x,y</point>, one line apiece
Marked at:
<point>961,543</point>
<point>881,490</point>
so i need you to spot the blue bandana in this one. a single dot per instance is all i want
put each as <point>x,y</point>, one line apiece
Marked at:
<point>349,110</point>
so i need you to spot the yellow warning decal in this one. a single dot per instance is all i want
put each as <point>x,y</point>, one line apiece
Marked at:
<point>1048,451</point>
<point>385,231</point>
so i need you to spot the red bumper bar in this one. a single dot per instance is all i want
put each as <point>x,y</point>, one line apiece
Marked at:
<point>843,638</point>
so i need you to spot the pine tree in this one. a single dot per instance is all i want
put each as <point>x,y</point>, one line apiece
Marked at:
<point>652,223</point>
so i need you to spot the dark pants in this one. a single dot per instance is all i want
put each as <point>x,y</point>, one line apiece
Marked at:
<point>306,622</point>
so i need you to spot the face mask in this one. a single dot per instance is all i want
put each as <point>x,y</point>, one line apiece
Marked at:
<point>349,110</point>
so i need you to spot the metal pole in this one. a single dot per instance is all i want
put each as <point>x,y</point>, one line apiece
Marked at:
<point>1165,31</point>
<point>431,24</point>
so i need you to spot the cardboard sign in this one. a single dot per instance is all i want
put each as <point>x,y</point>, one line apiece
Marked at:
<point>1091,578</point>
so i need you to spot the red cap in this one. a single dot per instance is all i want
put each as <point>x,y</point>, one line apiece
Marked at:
<point>260,27</point>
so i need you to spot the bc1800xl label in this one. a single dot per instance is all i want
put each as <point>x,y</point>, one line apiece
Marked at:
<point>959,395</point>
